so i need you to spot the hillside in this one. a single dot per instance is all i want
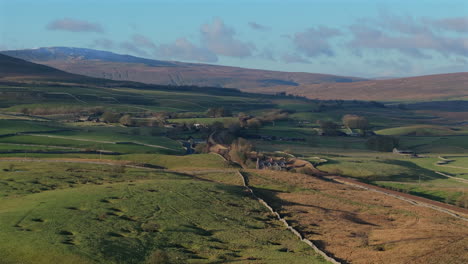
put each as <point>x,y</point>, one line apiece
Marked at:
<point>18,70</point>
<point>103,64</point>
<point>108,65</point>
<point>13,68</point>
<point>107,171</point>
<point>429,87</point>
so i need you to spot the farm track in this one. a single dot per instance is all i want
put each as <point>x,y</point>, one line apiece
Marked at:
<point>452,177</point>
<point>455,211</point>
<point>450,166</point>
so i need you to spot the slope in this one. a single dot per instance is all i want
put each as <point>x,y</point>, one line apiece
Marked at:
<point>103,64</point>
<point>14,69</point>
<point>429,87</point>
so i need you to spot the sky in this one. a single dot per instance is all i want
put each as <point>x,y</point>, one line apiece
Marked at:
<point>365,38</point>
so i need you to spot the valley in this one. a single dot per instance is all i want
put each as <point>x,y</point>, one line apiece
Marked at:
<point>106,171</point>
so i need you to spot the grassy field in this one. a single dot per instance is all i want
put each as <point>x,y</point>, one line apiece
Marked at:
<point>134,216</point>
<point>413,175</point>
<point>63,205</point>
<point>204,121</point>
<point>423,130</point>
<point>14,126</point>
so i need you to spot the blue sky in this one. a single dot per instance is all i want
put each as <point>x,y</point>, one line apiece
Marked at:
<point>353,37</point>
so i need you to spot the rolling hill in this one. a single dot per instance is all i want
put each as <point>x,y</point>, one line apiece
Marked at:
<point>103,64</point>
<point>430,87</point>
<point>14,69</point>
<point>108,65</point>
<point>19,70</point>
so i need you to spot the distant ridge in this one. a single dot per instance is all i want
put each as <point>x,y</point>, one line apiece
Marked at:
<point>108,65</point>
<point>17,69</point>
<point>104,64</point>
<point>14,71</point>
<point>449,86</point>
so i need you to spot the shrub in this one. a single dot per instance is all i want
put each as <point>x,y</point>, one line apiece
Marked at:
<point>462,201</point>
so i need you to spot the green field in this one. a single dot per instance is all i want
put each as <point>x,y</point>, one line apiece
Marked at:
<point>414,175</point>
<point>134,216</point>
<point>76,188</point>
<point>423,130</point>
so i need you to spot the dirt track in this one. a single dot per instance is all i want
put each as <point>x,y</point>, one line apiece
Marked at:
<point>446,208</point>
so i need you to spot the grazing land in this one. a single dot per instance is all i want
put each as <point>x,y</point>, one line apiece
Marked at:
<point>74,213</point>
<point>99,171</point>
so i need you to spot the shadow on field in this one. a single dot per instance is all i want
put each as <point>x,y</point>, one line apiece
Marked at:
<point>417,172</point>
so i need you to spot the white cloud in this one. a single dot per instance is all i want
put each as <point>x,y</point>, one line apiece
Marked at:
<point>220,39</point>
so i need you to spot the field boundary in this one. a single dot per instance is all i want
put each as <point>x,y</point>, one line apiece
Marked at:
<point>285,223</point>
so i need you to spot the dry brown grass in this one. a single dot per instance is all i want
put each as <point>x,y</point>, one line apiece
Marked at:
<point>361,226</point>
<point>179,73</point>
<point>440,86</point>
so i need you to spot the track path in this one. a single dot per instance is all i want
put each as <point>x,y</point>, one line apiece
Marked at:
<point>455,211</point>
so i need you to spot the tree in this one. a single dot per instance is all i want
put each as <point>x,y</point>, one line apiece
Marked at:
<point>201,148</point>
<point>239,151</point>
<point>110,117</point>
<point>355,122</point>
<point>233,128</point>
<point>329,128</point>
<point>216,126</point>
<point>218,112</point>
<point>254,123</point>
<point>382,143</point>
<point>126,120</point>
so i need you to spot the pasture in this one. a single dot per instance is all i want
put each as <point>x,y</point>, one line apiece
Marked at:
<point>77,213</point>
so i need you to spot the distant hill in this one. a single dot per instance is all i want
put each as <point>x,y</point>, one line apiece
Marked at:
<point>13,68</point>
<point>18,70</point>
<point>14,71</point>
<point>429,87</point>
<point>103,64</point>
<point>108,65</point>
